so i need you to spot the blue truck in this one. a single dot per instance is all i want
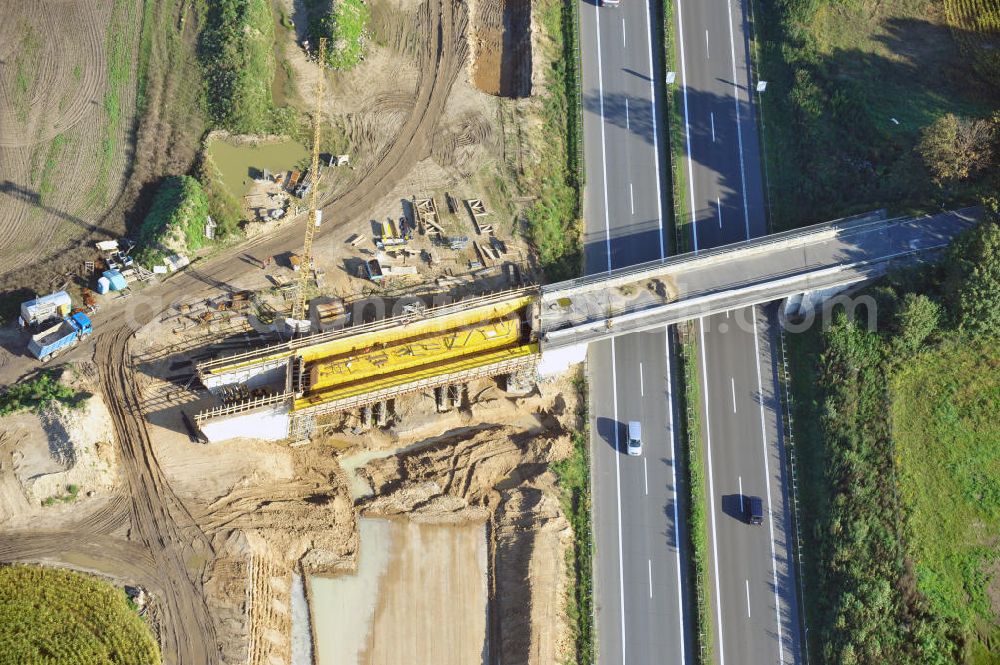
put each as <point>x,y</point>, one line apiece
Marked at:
<point>63,335</point>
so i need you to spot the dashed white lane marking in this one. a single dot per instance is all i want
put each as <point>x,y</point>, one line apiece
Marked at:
<point>711,115</point>
<point>623,32</point>
<point>650,562</point>
<point>645,475</point>
<point>628,124</point>
<point>708,53</point>
<point>631,198</point>
<point>739,125</point>
<point>642,391</point>
<point>732,381</point>
<point>677,527</point>
<point>718,206</point>
<point>748,598</point>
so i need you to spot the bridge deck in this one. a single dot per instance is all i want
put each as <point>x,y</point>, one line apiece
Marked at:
<point>761,270</point>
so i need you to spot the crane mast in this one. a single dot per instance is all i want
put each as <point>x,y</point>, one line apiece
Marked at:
<point>306,268</point>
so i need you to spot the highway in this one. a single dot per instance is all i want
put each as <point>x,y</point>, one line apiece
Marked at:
<point>641,574</point>
<point>752,593</point>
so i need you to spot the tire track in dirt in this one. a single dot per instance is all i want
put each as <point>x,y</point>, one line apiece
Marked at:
<point>159,519</point>
<point>169,539</point>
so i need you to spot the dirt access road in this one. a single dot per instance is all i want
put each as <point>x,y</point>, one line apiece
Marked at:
<point>169,550</point>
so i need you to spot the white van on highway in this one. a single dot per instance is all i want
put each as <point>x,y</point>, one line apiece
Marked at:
<point>634,445</point>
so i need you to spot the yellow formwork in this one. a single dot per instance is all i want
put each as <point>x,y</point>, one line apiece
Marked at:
<point>358,343</point>
<point>384,359</point>
<point>418,373</point>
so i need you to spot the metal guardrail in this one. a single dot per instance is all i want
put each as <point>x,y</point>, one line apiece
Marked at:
<point>838,225</point>
<point>796,510</point>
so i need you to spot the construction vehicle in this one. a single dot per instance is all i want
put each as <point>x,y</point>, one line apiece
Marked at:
<point>298,322</point>
<point>63,335</point>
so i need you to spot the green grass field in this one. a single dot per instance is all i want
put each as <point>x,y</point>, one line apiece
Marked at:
<point>58,616</point>
<point>945,408</point>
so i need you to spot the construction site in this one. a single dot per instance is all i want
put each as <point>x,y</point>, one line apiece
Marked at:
<point>342,407</point>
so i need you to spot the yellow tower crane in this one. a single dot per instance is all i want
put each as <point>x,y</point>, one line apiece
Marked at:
<point>306,267</point>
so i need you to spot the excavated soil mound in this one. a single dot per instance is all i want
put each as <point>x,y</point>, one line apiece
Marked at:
<point>501,39</point>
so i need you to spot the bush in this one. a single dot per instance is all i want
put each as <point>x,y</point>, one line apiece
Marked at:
<point>956,148</point>
<point>37,393</point>
<point>58,616</point>
<point>917,319</point>
<point>973,279</point>
<point>176,222</point>
<point>237,48</point>
<point>222,205</point>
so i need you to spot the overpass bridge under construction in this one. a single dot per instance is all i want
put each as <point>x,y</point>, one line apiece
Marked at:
<point>289,389</point>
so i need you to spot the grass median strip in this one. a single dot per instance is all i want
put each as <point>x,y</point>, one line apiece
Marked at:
<point>690,410</point>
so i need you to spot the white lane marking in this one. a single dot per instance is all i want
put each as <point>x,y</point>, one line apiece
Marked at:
<point>656,136</point>
<point>718,205</point>
<point>631,198</point>
<point>741,489</point>
<point>645,475</point>
<point>650,562</point>
<point>642,392</point>
<point>604,153</point>
<point>711,493</point>
<point>748,598</point>
<point>687,123</point>
<point>623,32</point>
<point>708,51</point>
<point>677,534</point>
<point>732,380</point>
<point>618,494</point>
<point>767,485</point>
<point>712,116</point>
<point>739,127</point>
<point>628,124</point>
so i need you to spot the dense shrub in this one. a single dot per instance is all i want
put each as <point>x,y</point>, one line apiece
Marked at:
<point>237,49</point>
<point>973,279</point>
<point>176,221</point>
<point>346,29</point>
<point>222,205</point>
<point>35,394</point>
<point>871,562</point>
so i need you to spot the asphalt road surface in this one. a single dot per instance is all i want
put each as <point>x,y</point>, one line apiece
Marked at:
<point>641,576</point>
<point>752,593</point>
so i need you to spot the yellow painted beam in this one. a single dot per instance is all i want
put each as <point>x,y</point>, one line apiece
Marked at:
<point>358,343</point>
<point>422,372</point>
<point>385,359</point>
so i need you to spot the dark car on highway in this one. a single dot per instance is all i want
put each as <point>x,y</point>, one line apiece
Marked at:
<point>753,508</point>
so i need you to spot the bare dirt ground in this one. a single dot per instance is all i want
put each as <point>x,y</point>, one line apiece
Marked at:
<point>215,536</point>
<point>55,199</point>
<point>501,47</point>
<point>53,87</point>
